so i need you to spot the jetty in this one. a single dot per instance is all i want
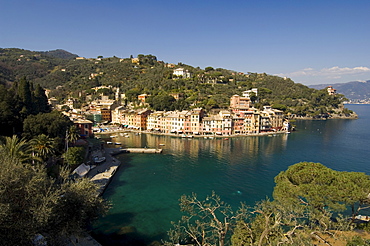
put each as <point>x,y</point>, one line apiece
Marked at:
<point>143,150</point>
<point>136,150</point>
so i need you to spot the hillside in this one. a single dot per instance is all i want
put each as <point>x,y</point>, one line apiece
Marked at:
<point>209,88</point>
<point>59,53</point>
<point>355,91</point>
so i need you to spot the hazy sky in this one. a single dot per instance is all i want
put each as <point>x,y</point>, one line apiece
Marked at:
<point>312,42</point>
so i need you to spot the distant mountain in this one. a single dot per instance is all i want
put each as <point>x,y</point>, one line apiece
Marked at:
<point>59,53</point>
<point>355,90</point>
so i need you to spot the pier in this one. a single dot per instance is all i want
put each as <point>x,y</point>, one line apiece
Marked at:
<point>137,150</point>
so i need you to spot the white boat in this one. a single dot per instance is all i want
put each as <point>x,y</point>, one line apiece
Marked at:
<point>117,143</point>
<point>161,144</point>
<point>99,159</point>
<point>108,142</point>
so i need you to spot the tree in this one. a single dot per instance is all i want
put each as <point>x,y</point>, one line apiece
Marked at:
<point>314,186</point>
<point>269,223</point>
<point>42,146</point>
<point>53,124</point>
<point>25,201</point>
<point>32,203</point>
<point>132,94</point>
<point>162,102</point>
<point>72,134</point>
<point>207,222</point>
<point>40,99</point>
<point>25,96</point>
<point>208,69</point>
<point>10,120</point>
<point>15,148</point>
<point>74,155</point>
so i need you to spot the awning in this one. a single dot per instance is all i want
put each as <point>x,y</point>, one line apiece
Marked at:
<point>82,170</point>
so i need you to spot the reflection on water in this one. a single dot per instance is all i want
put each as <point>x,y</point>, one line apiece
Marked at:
<point>192,147</point>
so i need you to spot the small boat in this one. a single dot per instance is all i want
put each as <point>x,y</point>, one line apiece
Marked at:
<point>226,138</point>
<point>161,144</point>
<point>127,136</point>
<point>99,159</point>
<point>108,142</point>
<point>113,136</point>
<point>117,143</point>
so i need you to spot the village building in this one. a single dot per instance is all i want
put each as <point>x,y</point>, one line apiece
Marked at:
<point>252,121</point>
<point>331,90</point>
<point>181,72</point>
<point>85,128</point>
<point>239,104</point>
<point>142,97</point>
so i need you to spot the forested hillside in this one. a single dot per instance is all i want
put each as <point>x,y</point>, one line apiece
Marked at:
<point>210,88</point>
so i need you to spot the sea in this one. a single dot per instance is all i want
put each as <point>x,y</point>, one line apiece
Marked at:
<point>145,191</point>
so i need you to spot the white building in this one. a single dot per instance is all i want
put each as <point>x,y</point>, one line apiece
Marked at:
<point>181,72</point>
<point>248,93</point>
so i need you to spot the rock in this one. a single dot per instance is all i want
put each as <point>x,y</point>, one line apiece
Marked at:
<point>126,230</point>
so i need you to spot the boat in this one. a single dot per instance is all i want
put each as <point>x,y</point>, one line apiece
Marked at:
<point>113,136</point>
<point>161,144</point>
<point>127,136</point>
<point>226,138</point>
<point>108,142</point>
<point>117,143</point>
<point>99,160</point>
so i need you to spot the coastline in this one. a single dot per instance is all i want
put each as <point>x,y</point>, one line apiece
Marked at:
<point>351,117</point>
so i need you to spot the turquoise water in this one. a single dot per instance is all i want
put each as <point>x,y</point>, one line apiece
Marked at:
<point>146,189</point>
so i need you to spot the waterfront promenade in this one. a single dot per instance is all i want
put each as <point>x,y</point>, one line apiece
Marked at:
<point>102,173</point>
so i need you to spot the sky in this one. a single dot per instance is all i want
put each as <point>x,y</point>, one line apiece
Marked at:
<point>309,41</point>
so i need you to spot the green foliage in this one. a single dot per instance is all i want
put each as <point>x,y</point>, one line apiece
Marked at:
<point>52,124</point>
<point>15,148</point>
<point>317,187</point>
<point>31,203</point>
<point>42,146</point>
<point>358,241</point>
<point>73,134</point>
<point>74,155</point>
<point>162,102</point>
<point>206,222</point>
